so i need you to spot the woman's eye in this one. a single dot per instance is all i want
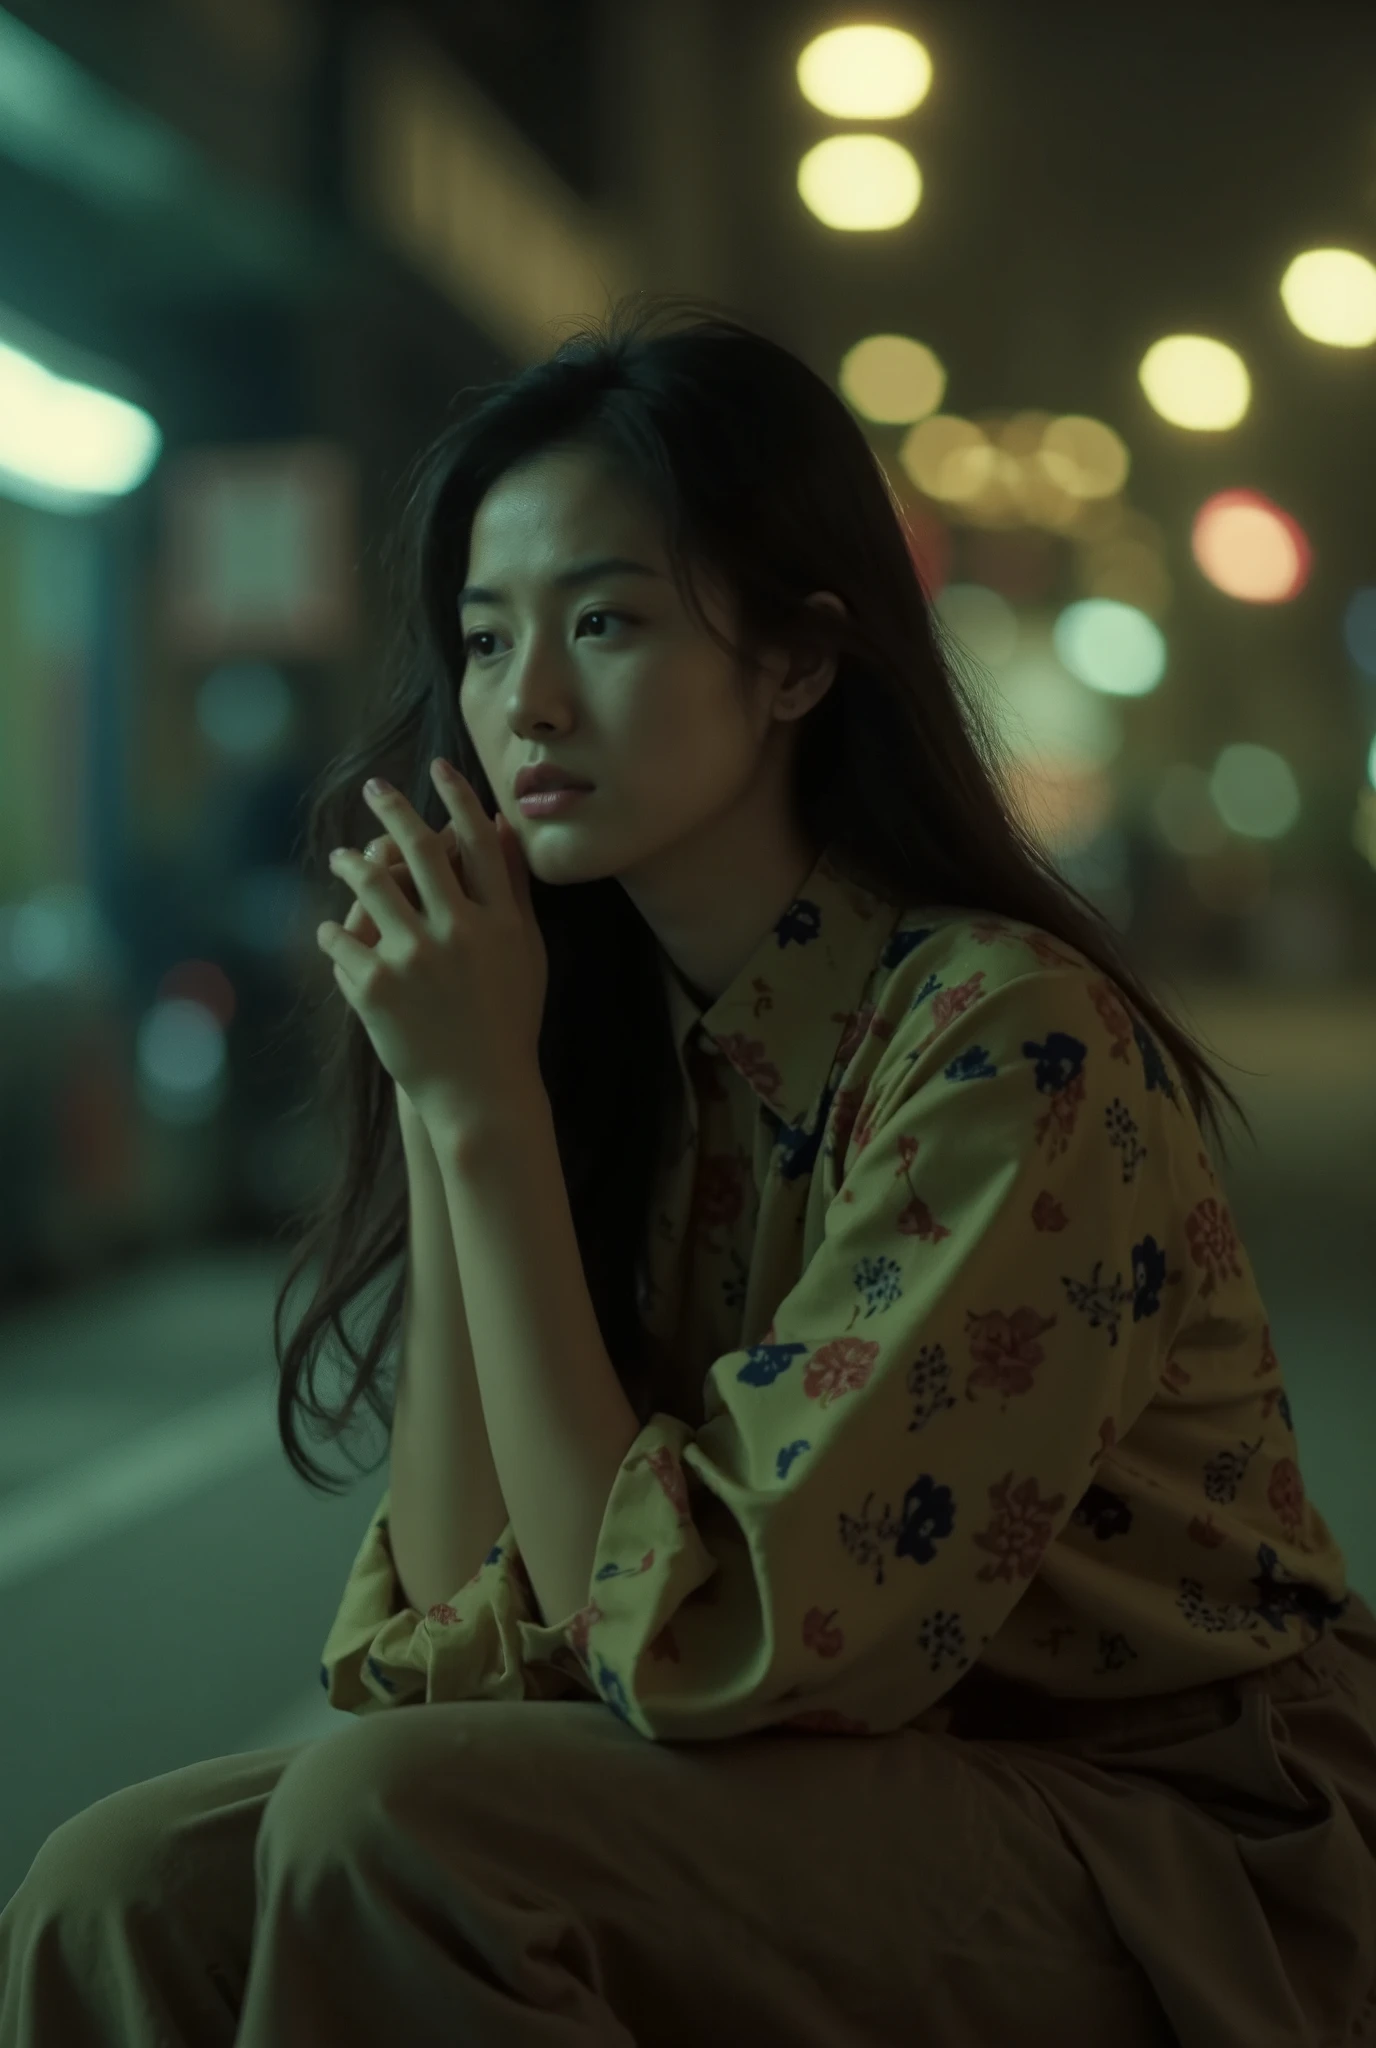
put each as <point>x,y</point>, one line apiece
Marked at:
<point>601,612</point>
<point>602,615</point>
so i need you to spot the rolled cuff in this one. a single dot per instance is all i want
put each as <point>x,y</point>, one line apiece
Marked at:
<point>486,1643</point>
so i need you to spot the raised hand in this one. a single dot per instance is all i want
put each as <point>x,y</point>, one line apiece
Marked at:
<point>385,849</point>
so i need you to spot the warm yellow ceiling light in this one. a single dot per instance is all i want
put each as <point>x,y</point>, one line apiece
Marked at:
<point>1194,381</point>
<point>949,458</point>
<point>1084,456</point>
<point>865,73</point>
<point>1330,294</point>
<point>892,379</point>
<point>860,182</point>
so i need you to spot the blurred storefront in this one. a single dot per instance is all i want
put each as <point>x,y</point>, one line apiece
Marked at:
<point>287,235</point>
<point>225,217</point>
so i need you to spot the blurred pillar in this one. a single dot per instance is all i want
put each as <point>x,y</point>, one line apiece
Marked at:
<point>108,773</point>
<point>661,107</point>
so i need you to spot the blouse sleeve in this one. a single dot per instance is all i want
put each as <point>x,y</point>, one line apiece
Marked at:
<point>486,1643</point>
<point>879,1478</point>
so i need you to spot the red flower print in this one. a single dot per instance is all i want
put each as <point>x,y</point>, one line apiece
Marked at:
<point>668,1471</point>
<point>1174,1377</point>
<point>1285,1494</point>
<point>576,1631</point>
<point>1047,952</point>
<point>752,1062</point>
<point>840,1367</point>
<point>1006,1349</point>
<point>1019,1531</point>
<point>864,1127</point>
<point>915,1219</point>
<point>1114,1012</point>
<point>856,1022</point>
<point>1213,1241</point>
<point>950,1003</point>
<point>844,1110</point>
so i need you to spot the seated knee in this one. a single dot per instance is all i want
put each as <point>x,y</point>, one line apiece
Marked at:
<point>111,1851</point>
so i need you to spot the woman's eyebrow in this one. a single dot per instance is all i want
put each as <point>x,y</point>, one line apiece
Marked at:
<point>566,579</point>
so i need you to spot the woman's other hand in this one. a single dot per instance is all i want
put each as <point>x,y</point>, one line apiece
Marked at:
<point>358,923</point>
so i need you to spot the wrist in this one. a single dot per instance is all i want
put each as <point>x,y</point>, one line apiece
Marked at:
<point>415,1138</point>
<point>513,1115</point>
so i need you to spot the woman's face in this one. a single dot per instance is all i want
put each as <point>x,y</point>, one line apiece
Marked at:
<point>613,679</point>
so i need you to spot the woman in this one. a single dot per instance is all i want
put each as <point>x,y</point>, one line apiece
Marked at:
<point>947,1404</point>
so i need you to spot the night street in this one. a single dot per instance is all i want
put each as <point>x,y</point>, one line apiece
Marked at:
<point>166,1583</point>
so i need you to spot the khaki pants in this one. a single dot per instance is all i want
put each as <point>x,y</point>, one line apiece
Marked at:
<point>1199,1868</point>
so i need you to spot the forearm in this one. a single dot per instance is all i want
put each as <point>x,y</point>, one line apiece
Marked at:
<point>446,1508</point>
<point>558,1420</point>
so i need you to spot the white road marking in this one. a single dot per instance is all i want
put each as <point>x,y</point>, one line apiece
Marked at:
<point>97,1497</point>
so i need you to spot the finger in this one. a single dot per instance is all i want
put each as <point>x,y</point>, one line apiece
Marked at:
<point>425,856</point>
<point>373,882</point>
<point>360,923</point>
<point>349,958</point>
<point>485,876</point>
<point>386,849</point>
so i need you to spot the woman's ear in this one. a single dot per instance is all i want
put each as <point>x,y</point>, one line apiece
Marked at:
<point>817,675</point>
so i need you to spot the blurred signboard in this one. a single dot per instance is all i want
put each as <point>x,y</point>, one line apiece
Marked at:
<point>259,551</point>
<point>450,182</point>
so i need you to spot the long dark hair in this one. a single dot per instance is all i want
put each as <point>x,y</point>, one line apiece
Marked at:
<point>761,474</point>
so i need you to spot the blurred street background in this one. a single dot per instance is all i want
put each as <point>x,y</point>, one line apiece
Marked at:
<point>1100,286</point>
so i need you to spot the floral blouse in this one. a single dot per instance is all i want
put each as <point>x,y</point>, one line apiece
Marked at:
<point>960,1361</point>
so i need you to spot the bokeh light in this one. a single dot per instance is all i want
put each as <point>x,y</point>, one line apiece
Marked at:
<point>982,620</point>
<point>1249,548</point>
<point>949,458</point>
<point>181,1061</point>
<point>1112,647</point>
<point>1129,570</point>
<point>66,446</point>
<point>892,379</point>
<point>1359,629</point>
<point>1196,382</point>
<point>1255,791</point>
<point>1084,456</point>
<point>1330,295</point>
<point>245,708</point>
<point>860,183</point>
<point>865,72</point>
<point>1027,469</point>
<point>1183,811</point>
